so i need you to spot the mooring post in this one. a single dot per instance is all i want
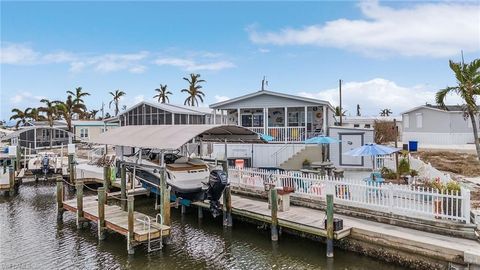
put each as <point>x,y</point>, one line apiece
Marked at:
<point>329,225</point>
<point>200,212</point>
<point>11,180</point>
<point>274,208</point>
<point>130,236</point>
<point>106,180</point>
<point>183,209</point>
<point>227,201</point>
<point>79,186</point>
<point>59,181</point>
<point>101,213</point>
<point>123,187</point>
<point>18,159</point>
<point>166,205</point>
<point>71,169</point>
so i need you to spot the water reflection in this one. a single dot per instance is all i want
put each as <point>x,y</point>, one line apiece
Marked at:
<point>31,236</point>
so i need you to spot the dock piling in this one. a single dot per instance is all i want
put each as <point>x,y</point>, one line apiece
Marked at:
<point>123,187</point>
<point>79,186</point>
<point>71,169</point>
<point>274,208</point>
<point>200,212</point>
<point>130,236</point>
<point>329,225</point>
<point>183,209</point>
<point>227,202</point>
<point>59,181</point>
<point>101,213</point>
<point>11,180</point>
<point>106,178</point>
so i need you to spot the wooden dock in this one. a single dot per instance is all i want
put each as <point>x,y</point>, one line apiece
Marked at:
<point>300,219</point>
<point>117,220</point>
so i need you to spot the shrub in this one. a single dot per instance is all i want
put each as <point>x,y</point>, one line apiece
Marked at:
<point>403,166</point>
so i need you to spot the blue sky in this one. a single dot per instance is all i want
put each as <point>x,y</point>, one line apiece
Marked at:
<point>389,54</point>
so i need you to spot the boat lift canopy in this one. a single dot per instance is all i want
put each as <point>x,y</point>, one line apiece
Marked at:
<point>172,137</point>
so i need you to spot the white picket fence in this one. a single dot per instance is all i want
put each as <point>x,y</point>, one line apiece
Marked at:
<point>407,200</point>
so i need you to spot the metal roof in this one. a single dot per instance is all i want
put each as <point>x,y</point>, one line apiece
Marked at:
<point>178,109</point>
<point>172,137</point>
<point>25,129</point>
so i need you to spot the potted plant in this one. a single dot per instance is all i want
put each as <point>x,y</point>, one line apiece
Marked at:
<point>413,175</point>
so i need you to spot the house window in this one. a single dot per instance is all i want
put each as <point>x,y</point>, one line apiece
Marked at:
<point>368,126</point>
<point>419,119</point>
<point>84,133</point>
<point>406,121</point>
<point>356,125</point>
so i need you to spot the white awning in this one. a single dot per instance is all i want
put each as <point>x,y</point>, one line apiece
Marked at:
<point>172,137</point>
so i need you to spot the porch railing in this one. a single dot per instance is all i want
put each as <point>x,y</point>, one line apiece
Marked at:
<point>405,200</point>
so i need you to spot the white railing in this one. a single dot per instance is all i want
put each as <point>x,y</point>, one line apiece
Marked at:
<point>287,134</point>
<point>260,130</point>
<point>407,200</point>
<point>95,154</point>
<point>287,151</point>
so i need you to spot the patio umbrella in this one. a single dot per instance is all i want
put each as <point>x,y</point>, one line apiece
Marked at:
<point>322,139</point>
<point>371,150</point>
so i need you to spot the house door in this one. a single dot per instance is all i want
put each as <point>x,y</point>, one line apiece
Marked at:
<point>348,142</point>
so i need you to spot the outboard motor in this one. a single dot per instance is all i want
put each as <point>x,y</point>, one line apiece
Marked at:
<point>217,182</point>
<point>45,163</point>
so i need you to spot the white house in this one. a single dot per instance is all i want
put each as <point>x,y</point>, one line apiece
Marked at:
<point>431,124</point>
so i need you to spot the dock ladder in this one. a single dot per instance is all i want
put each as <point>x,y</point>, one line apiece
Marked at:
<point>153,245</point>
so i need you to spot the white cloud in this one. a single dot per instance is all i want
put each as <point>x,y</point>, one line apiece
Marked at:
<point>17,54</point>
<point>112,62</point>
<point>377,94</point>
<point>221,98</point>
<point>192,65</point>
<point>25,98</point>
<point>428,29</point>
<point>263,50</point>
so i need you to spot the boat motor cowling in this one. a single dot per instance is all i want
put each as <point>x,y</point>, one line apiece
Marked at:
<point>217,182</point>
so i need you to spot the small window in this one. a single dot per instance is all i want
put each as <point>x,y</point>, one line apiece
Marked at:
<point>406,121</point>
<point>368,126</point>
<point>84,133</point>
<point>419,118</point>
<point>356,125</point>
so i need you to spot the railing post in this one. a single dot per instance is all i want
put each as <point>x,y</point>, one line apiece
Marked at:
<point>465,204</point>
<point>79,186</point>
<point>11,180</point>
<point>329,225</point>
<point>390,197</point>
<point>123,187</point>
<point>274,208</point>
<point>101,213</point>
<point>130,235</point>
<point>59,181</point>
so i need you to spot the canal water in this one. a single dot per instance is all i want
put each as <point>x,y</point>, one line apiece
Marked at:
<point>31,238</point>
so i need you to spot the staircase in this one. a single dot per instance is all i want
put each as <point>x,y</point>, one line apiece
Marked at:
<point>310,152</point>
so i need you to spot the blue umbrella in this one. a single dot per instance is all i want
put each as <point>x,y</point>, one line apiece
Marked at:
<point>371,149</point>
<point>321,140</point>
<point>266,137</point>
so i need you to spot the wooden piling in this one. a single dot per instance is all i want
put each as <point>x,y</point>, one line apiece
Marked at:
<point>18,160</point>
<point>79,186</point>
<point>123,187</point>
<point>11,180</point>
<point>106,178</point>
<point>166,204</point>
<point>131,221</point>
<point>227,202</point>
<point>200,212</point>
<point>59,181</point>
<point>329,225</point>
<point>71,169</point>
<point>101,213</point>
<point>274,208</point>
<point>183,209</point>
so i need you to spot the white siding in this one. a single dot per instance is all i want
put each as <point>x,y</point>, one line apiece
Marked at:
<point>419,120</point>
<point>406,120</point>
<point>438,138</point>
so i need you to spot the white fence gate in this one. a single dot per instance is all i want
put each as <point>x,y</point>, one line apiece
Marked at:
<point>407,200</point>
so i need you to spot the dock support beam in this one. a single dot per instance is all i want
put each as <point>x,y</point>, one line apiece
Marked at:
<point>274,208</point>
<point>106,178</point>
<point>11,180</point>
<point>123,187</point>
<point>79,186</point>
<point>329,225</point>
<point>130,236</point>
<point>101,213</point>
<point>59,181</point>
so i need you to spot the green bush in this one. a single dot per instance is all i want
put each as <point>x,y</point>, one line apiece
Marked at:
<point>404,166</point>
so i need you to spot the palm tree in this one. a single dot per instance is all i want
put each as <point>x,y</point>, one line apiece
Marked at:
<point>50,110</point>
<point>78,99</point>
<point>34,114</point>
<point>67,109</point>
<point>385,112</point>
<point>468,88</point>
<point>162,94</point>
<point>93,114</point>
<point>337,111</point>
<point>19,115</point>
<point>116,99</point>
<point>193,90</point>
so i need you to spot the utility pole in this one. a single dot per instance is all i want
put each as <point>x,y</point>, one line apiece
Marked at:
<point>340,94</point>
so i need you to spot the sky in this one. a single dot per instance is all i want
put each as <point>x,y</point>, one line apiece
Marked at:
<point>388,54</point>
